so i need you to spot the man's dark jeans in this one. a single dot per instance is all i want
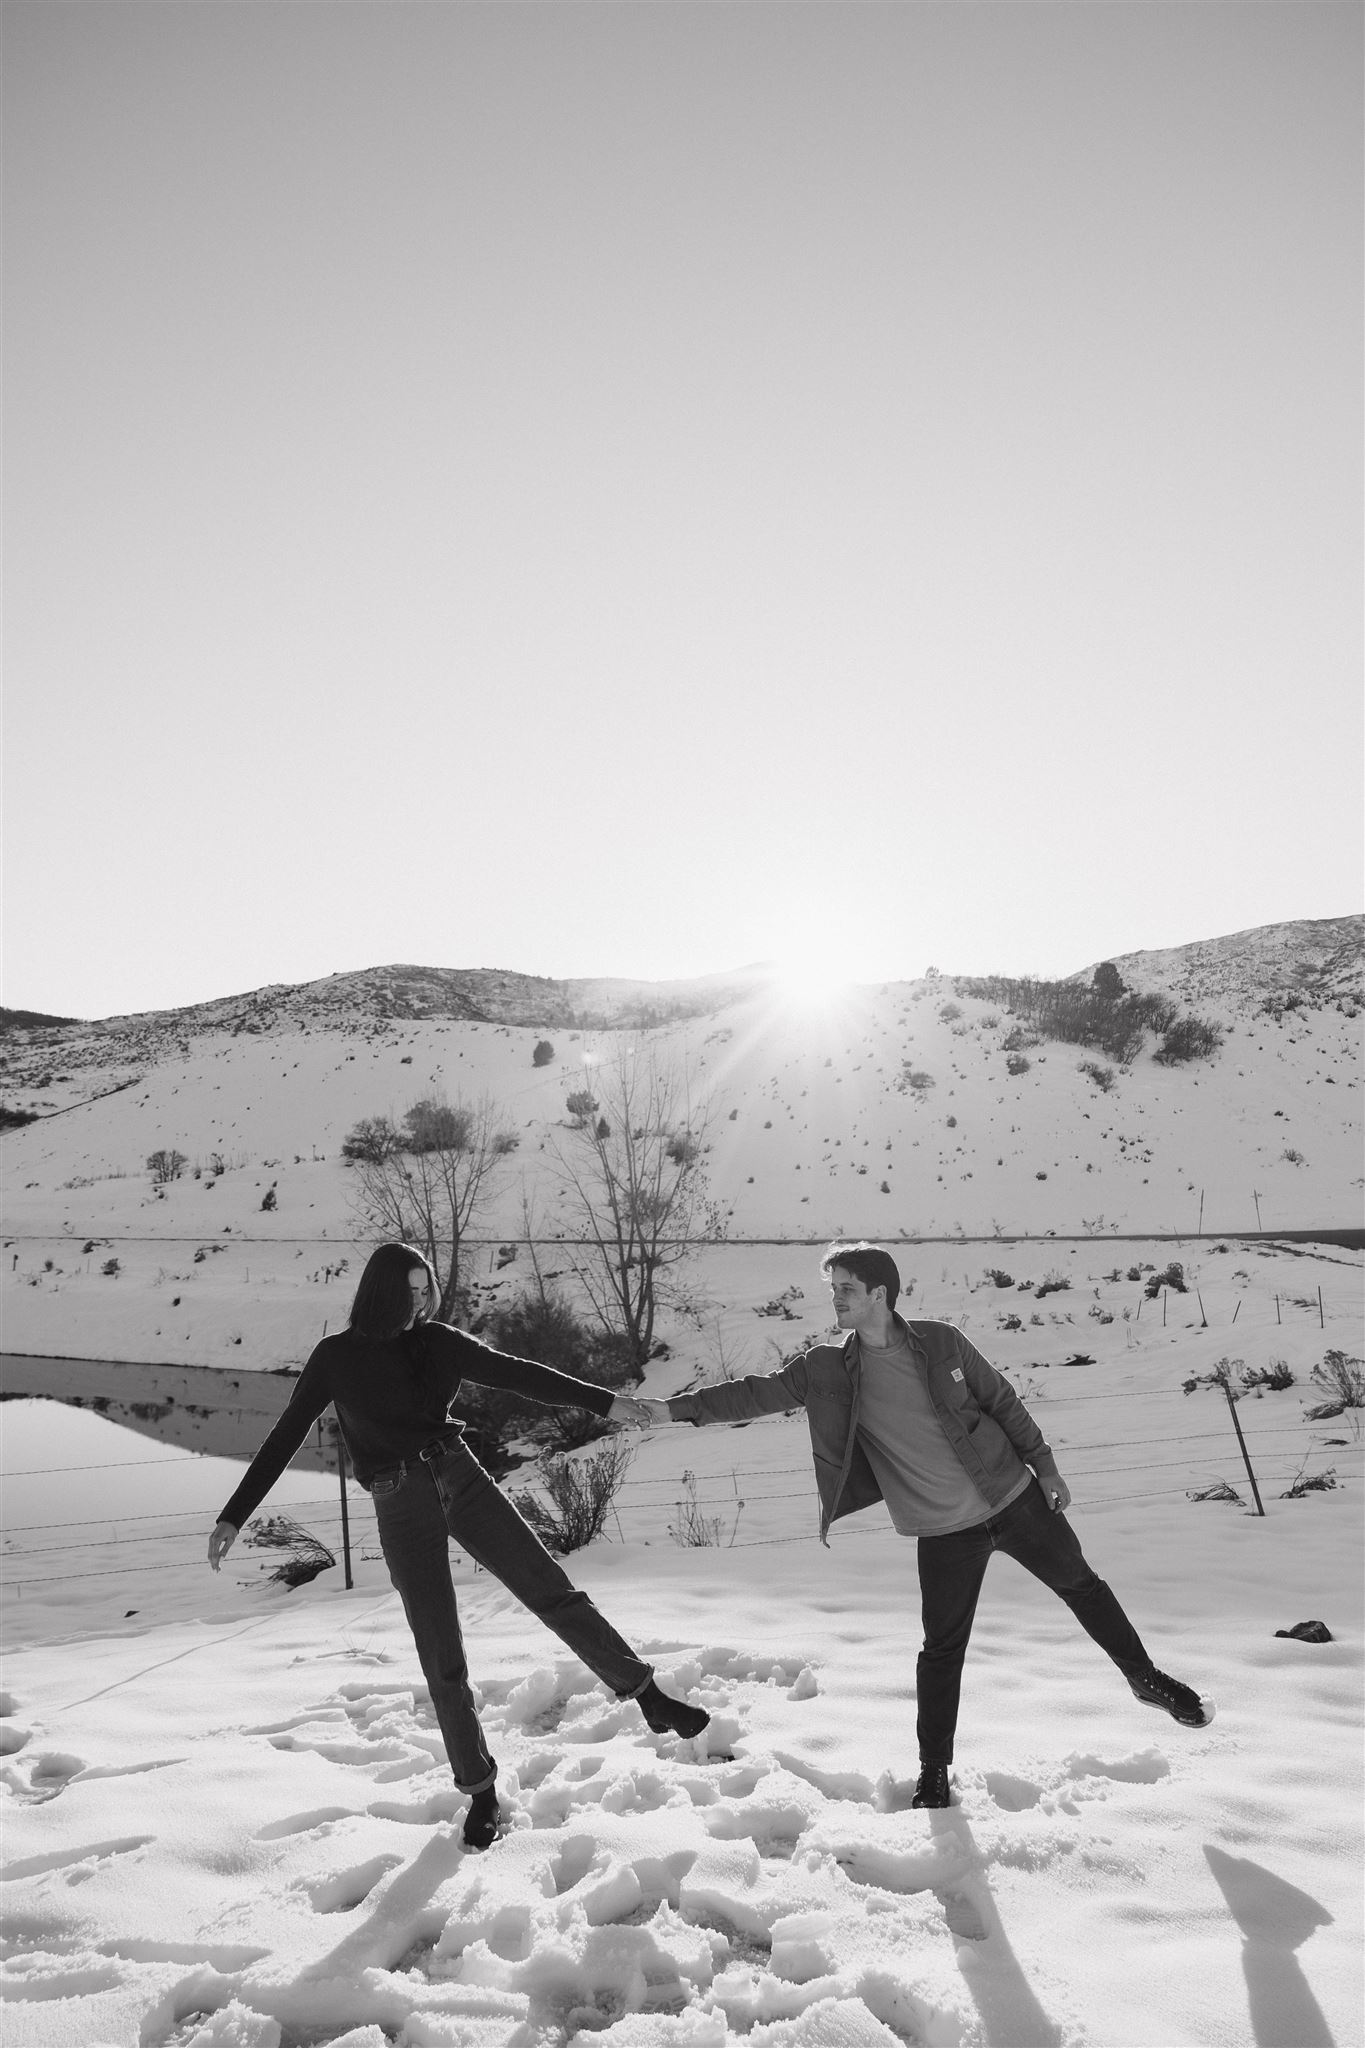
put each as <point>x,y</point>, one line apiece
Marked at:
<point>417,1507</point>
<point>951,1569</point>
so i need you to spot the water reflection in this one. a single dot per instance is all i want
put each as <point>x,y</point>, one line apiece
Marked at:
<point>218,1413</point>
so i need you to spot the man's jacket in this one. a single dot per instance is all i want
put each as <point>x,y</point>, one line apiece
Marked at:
<point>983,1418</point>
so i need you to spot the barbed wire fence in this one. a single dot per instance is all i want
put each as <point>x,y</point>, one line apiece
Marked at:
<point>1184,1461</point>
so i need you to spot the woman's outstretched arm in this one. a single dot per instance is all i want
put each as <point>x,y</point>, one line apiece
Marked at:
<point>310,1397</point>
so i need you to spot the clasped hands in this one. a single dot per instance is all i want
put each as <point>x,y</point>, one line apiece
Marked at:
<point>638,1413</point>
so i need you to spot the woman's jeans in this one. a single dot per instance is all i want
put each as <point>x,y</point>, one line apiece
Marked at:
<point>951,1569</point>
<point>418,1506</point>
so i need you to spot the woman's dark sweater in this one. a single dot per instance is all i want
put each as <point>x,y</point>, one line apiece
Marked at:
<point>391,1396</point>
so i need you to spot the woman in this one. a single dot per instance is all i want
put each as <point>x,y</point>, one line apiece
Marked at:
<point>391,1376</point>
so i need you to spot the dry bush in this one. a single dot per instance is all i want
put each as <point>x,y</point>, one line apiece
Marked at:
<point>1342,1379</point>
<point>581,1492</point>
<point>307,1554</point>
<point>694,1530</point>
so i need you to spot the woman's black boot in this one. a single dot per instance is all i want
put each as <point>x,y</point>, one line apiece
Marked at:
<point>481,1821</point>
<point>669,1716</point>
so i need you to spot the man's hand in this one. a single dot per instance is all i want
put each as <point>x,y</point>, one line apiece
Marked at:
<point>658,1411</point>
<point>625,1408</point>
<point>221,1542</point>
<point>1056,1492</point>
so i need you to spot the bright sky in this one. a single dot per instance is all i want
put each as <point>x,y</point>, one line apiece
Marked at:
<point>639,489</point>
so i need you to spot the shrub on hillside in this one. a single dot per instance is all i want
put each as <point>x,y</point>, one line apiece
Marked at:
<point>373,1138</point>
<point>12,1119</point>
<point>1076,1014</point>
<point>1173,1277</point>
<point>1188,1038</point>
<point>1018,1063</point>
<point>1103,1077</point>
<point>543,1053</point>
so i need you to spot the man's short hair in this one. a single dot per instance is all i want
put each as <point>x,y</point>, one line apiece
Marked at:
<point>868,1263</point>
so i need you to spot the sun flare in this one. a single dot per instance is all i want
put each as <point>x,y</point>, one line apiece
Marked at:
<point>806,981</point>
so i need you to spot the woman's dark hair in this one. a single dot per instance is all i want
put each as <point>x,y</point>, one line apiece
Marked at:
<point>868,1263</point>
<point>383,1300</point>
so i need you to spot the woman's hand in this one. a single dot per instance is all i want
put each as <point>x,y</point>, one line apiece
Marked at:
<point>221,1542</point>
<point>624,1408</point>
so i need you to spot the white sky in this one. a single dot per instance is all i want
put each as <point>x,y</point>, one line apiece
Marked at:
<point>638,489</point>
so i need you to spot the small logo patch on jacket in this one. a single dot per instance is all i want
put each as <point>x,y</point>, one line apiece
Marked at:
<point>957,1372</point>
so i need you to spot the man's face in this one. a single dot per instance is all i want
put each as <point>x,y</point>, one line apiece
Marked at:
<point>854,1305</point>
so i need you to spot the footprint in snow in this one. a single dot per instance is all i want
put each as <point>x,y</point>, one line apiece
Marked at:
<point>75,1865</point>
<point>1011,1794</point>
<point>344,1890</point>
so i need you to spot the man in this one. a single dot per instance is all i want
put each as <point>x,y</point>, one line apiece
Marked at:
<point>910,1413</point>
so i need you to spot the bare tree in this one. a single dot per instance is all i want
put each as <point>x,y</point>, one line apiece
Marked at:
<point>636,1185</point>
<point>426,1180</point>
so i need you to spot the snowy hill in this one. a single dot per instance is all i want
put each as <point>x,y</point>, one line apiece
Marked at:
<point>898,1111</point>
<point>1309,961</point>
<point>228,1815</point>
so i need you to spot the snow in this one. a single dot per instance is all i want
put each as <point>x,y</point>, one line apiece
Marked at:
<point>228,1820</point>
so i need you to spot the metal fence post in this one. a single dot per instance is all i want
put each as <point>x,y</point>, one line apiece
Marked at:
<point>345,1516</point>
<point>1232,1410</point>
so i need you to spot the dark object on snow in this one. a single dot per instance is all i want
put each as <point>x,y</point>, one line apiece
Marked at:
<point>1308,1632</point>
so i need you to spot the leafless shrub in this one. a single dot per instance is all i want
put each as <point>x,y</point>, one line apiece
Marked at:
<point>1220,1490</point>
<point>426,1182</point>
<point>307,1555</point>
<point>1188,1038</point>
<point>1311,1482</point>
<point>581,1492</point>
<point>1342,1379</point>
<point>694,1530</point>
<point>637,1194</point>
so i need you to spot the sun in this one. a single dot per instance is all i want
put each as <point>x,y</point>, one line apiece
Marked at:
<point>806,981</point>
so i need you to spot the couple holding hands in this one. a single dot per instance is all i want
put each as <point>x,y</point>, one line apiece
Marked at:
<point>904,1412</point>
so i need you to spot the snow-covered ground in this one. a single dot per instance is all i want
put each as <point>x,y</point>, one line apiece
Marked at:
<point>228,1820</point>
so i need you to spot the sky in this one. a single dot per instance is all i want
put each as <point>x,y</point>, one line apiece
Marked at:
<point>643,489</point>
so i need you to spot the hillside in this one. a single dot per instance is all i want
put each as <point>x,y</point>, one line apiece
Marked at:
<point>904,1110</point>
<point>1306,962</point>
